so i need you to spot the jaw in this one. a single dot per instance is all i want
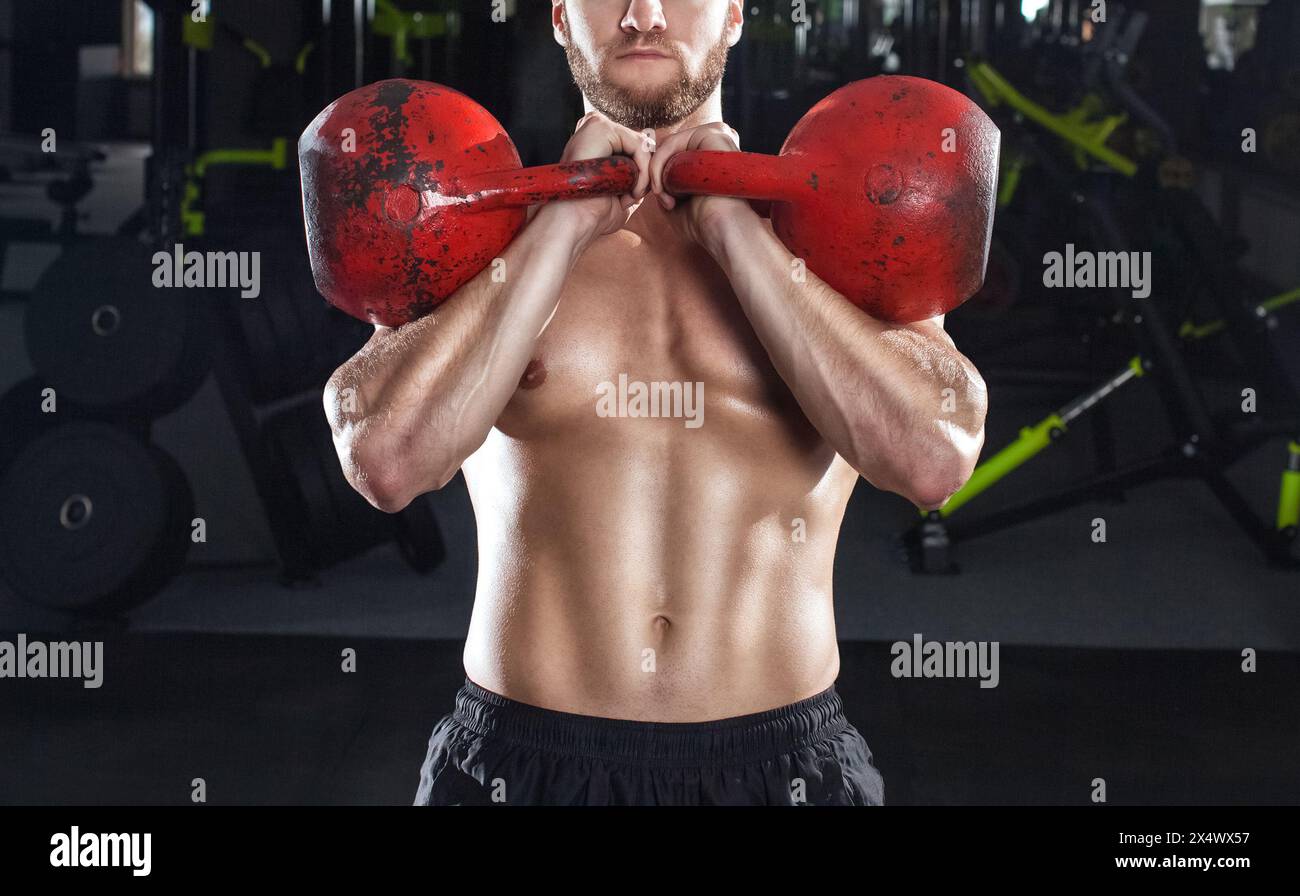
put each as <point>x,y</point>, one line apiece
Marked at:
<point>642,80</point>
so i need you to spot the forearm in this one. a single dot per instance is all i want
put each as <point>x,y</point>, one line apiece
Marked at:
<point>898,402</point>
<point>417,400</point>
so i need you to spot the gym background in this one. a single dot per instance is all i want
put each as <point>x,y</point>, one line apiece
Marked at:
<point>1128,541</point>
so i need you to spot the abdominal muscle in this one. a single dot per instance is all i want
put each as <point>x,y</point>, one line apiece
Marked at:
<point>664,579</point>
<point>637,567</point>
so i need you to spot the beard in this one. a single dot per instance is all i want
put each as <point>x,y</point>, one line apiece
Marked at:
<point>644,107</point>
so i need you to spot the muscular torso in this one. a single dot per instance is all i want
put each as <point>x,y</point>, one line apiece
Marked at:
<point>637,567</point>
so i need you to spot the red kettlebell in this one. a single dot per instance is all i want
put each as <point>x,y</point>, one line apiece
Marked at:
<point>885,189</point>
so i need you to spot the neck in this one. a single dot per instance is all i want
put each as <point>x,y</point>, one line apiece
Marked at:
<point>708,111</point>
<point>650,220</point>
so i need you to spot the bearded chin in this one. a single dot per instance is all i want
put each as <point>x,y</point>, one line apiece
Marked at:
<point>639,109</point>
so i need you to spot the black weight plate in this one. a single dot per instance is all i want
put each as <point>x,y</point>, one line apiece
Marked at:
<point>281,349</point>
<point>316,533</point>
<point>267,374</point>
<point>318,321</point>
<point>291,342</point>
<point>200,344</point>
<point>170,553</point>
<point>104,336</point>
<point>344,538</point>
<point>92,518</point>
<point>285,505</point>
<point>22,419</point>
<point>314,313</point>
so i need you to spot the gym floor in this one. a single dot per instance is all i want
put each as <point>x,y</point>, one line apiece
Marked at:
<point>271,720</point>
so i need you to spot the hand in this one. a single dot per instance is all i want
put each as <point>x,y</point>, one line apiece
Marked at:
<point>597,137</point>
<point>701,217</point>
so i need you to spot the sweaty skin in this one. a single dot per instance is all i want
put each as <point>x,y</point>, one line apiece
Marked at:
<point>640,567</point>
<point>632,567</point>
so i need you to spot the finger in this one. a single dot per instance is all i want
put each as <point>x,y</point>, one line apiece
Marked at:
<point>667,149</point>
<point>645,160</point>
<point>579,144</point>
<point>718,140</point>
<point>623,140</point>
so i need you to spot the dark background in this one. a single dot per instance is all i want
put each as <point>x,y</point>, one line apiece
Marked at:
<point>1120,659</point>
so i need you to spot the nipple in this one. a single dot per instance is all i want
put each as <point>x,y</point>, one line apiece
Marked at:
<point>534,374</point>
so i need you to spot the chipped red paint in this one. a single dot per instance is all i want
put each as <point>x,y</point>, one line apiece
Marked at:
<point>867,197</point>
<point>434,191</point>
<point>386,236</point>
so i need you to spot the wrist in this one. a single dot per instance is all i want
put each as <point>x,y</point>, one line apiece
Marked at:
<point>731,221</point>
<point>566,220</point>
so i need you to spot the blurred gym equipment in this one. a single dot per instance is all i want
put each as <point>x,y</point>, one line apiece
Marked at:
<point>92,519</point>
<point>1125,204</point>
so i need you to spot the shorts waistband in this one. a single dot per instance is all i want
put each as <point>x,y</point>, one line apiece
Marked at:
<point>739,739</point>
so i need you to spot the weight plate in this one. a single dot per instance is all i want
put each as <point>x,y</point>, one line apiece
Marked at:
<point>291,342</point>
<point>266,367</point>
<point>347,534</point>
<point>92,519</point>
<point>318,321</point>
<point>313,312</point>
<point>22,419</point>
<point>104,336</point>
<point>315,532</point>
<point>287,345</point>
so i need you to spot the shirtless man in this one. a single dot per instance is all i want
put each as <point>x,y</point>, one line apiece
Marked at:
<point>653,621</point>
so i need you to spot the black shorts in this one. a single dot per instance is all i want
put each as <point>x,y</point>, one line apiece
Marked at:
<point>493,750</point>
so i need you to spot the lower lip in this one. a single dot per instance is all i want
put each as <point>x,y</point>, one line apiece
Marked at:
<point>643,56</point>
